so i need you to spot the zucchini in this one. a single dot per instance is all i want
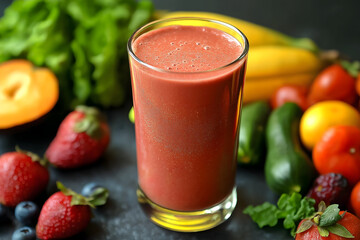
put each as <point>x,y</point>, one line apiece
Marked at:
<point>252,146</point>
<point>288,168</point>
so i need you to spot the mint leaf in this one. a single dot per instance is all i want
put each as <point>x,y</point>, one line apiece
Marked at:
<point>306,209</point>
<point>263,215</point>
<point>330,216</point>
<point>292,208</point>
<point>339,230</point>
<point>288,204</point>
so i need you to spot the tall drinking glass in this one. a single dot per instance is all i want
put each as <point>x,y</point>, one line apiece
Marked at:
<point>187,78</point>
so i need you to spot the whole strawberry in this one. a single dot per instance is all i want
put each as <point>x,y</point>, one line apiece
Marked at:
<point>67,213</point>
<point>22,177</point>
<point>329,223</point>
<point>81,139</point>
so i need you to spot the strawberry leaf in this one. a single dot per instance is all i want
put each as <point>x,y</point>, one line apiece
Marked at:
<point>76,199</point>
<point>99,196</point>
<point>91,111</point>
<point>339,230</point>
<point>323,232</point>
<point>34,157</point>
<point>330,216</point>
<point>305,225</point>
<point>90,124</point>
<point>322,206</point>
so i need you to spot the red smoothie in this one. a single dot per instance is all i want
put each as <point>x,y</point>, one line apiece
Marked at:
<point>187,99</point>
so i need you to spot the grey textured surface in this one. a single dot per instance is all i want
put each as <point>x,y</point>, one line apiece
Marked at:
<point>332,24</point>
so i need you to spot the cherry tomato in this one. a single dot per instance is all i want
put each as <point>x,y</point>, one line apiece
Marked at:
<point>355,199</point>
<point>290,93</point>
<point>338,151</point>
<point>333,83</point>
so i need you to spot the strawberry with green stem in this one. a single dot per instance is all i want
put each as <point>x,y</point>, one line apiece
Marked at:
<point>82,138</point>
<point>67,213</point>
<point>329,223</point>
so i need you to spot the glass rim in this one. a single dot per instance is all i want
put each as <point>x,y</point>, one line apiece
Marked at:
<point>238,59</point>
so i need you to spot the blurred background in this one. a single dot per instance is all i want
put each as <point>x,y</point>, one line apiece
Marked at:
<point>332,24</point>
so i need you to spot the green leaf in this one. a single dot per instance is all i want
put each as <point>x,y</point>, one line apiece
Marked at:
<point>91,123</point>
<point>322,206</point>
<point>323,232</point>
<point>353,68</point>
<point>330,216</point>
<point>264,214</point>
<point>292,208</point>
<point>99,197</point>
<point>289,222</point>
<point>339,230</point>
<point>305,225</point>
<point>76,199</point>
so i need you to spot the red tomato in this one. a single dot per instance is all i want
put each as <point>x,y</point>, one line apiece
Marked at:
<point>355,199</point>
<point>290,93</point>
<point>338,151</point>
<point>333,83</point>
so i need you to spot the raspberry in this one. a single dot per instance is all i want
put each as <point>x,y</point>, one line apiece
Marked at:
<point>330,188</point>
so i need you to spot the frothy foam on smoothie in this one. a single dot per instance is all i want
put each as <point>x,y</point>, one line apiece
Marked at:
<point>174,48</point>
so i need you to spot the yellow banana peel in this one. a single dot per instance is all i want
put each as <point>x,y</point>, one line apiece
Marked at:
<point>269,61</point>
<point>257,35</point>
<point>270,67</point>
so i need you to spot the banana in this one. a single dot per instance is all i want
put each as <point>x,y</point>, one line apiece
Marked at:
<point>268,61</point>
<point>257,35</point>
<point>270,67</point>
<point>274,59</point>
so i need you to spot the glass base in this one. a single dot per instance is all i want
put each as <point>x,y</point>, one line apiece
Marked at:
<point>188,221</point>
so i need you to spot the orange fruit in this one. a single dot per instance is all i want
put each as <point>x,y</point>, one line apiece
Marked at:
<point>323,115</point>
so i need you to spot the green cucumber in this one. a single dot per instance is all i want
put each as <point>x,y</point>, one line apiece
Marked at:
<point>288,168</point>
<point>252,146</point>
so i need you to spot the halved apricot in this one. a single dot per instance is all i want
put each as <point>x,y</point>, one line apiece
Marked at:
<point>26,92</point>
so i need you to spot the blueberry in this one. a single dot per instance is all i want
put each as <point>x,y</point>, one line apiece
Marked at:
<point>3,214</point>
<point>90,188</point>
<point>27,213</point>
<point>24,233</point>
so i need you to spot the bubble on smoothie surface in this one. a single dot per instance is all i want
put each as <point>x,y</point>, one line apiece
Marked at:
<point>174,47</point>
